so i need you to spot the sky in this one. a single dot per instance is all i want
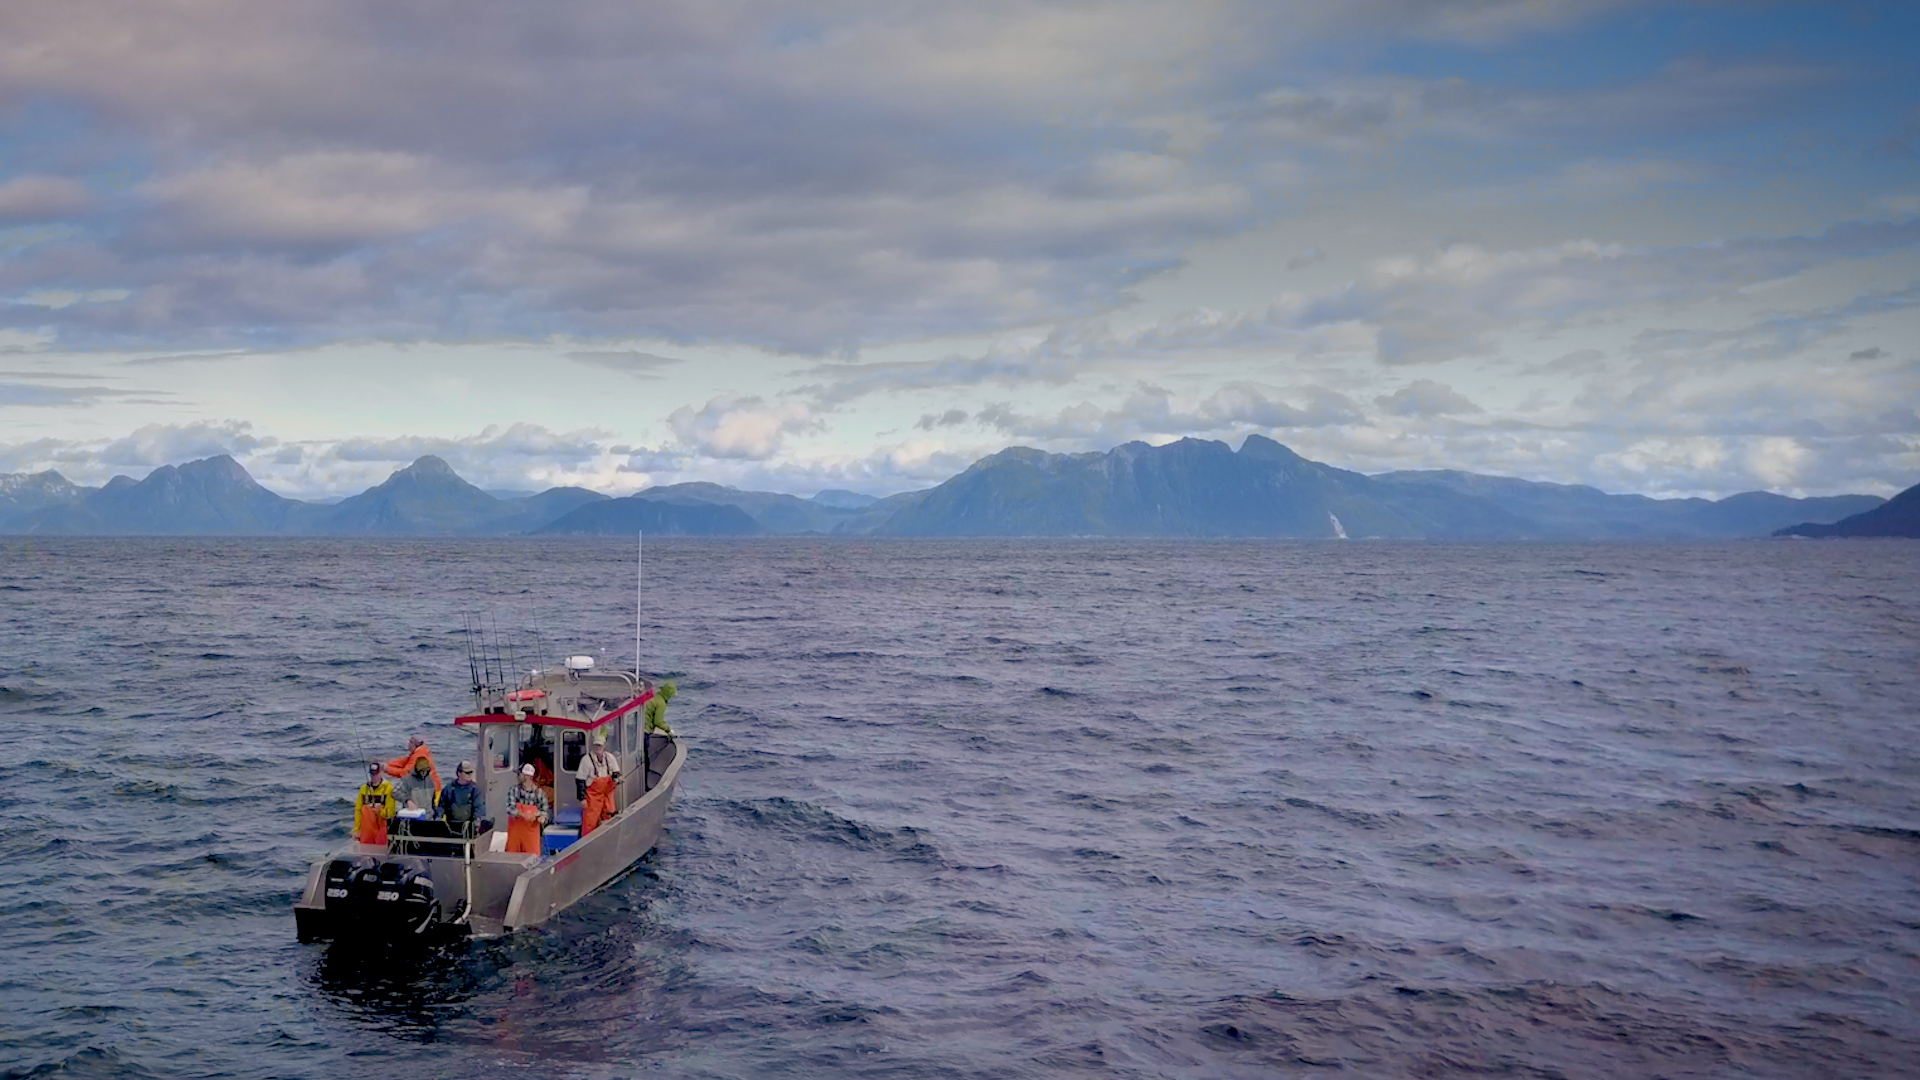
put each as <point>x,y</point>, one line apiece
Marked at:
<point>1652,247</point>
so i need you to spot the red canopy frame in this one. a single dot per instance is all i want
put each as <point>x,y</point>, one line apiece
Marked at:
<point>554,721</point>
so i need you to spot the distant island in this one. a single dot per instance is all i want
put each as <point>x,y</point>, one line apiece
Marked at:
<point>1189,488</point>
<point>1897,517</point>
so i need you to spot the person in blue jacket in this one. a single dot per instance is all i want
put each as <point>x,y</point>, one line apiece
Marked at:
<point>462,803</point>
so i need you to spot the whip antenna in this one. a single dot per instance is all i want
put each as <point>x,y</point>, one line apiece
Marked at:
<point>639,585</point>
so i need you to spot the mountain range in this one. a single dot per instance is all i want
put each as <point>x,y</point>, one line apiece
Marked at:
<point>1193,488</point>
<point>1196,487</point>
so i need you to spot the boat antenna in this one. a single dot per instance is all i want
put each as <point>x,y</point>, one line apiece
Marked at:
<point>639,587</point>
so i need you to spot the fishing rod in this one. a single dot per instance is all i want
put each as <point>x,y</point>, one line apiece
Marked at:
<point>473,663</point>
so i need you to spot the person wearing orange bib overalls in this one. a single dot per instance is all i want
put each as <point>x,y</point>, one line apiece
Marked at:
<point>598,773</point>
<point>527,812</point>
<point>373,807</point>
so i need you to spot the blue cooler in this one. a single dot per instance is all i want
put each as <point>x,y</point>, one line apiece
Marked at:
<point>557,838</point>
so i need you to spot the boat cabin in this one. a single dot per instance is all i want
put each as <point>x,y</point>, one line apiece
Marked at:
<point>547,722</point>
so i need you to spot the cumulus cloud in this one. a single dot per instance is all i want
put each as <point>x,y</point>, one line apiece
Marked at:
<point>1777,460</point>
<point>1154,411</point>
<point>731,426</point>
<point>511,457</point>
<point>492,442</point>
<point>901,466</point>
<point>1774,463</point>
<point>1424,397</point>
<point>152,445</point>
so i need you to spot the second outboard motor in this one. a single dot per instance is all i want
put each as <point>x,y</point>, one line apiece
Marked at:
<point>403,896</point>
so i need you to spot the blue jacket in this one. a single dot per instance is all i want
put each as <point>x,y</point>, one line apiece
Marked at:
<point>462,801</point>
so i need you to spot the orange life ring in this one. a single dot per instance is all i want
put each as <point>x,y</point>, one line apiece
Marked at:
<point>526,695</point>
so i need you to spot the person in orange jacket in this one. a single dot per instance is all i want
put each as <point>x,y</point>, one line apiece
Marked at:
<point>416,751</point>
<point>598,773</point>
<point>528,811</point>
<point>373,807</point>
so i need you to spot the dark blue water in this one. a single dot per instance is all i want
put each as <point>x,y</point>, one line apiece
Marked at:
<point>1000,810</point>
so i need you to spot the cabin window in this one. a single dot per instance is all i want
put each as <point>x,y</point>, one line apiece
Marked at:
<point>573,746</point>
<point>496,748</point>
<point>536,747</point>
<point>633,732</point>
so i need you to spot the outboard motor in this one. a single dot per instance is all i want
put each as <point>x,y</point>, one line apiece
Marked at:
<point>403,898</point>
<point>342,875</point>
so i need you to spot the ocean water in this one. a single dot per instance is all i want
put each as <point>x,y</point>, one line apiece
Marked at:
<point>999,809</point>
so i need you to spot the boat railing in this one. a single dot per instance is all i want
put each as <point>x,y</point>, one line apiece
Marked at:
<point>433,838</point>
<point>634,785</point>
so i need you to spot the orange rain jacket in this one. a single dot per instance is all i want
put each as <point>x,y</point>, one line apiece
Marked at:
<point>403,765</point>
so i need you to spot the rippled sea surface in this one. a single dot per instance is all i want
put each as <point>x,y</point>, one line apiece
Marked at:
<point>999,809</point>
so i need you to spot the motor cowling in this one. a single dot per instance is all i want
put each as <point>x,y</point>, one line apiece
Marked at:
<point>343,878</point>
<point>403,896</point>
<point>367,896</point>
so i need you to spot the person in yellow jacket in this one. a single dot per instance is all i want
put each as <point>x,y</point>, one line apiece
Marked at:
<point>373,807</point>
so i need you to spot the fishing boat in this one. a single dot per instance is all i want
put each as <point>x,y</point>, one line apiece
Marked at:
<point>435,880</point>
